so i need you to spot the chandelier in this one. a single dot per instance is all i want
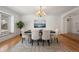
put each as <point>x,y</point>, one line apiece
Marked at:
<point>40,12</point>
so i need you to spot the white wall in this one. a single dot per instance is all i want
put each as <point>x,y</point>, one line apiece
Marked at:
<point>67,25</point>
<point>52,21</point>
<point>75,24</point>
<point>17,17</point>
<point>74,13</point>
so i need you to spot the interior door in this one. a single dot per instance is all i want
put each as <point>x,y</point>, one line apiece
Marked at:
<point>69,25</point>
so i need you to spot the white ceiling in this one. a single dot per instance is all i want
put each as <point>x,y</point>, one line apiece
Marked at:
<point>54,10</point>
<point>74,13</point>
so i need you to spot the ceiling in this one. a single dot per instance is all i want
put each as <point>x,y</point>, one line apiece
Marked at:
<point>74,13</point>
<point>54,10</point>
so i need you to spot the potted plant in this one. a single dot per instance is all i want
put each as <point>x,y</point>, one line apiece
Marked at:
<point>20,25</point>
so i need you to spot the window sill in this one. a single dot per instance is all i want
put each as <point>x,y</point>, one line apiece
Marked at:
<point>4,34</point>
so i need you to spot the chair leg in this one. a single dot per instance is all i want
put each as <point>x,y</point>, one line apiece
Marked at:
<point>32,42</point>
<point>22,40</point>
<point>43,42</point>
<point>37,42</point>
<point>48,42</point>
<point>57,40</point>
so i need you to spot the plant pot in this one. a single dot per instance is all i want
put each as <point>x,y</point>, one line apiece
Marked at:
<point>20,34</point>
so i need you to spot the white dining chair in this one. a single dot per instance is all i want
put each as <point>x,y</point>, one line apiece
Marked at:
<point>52,36</point>
<point>46,36</point>
<point>56,35</point>
<point>35,36</point>
<point>24,36</point>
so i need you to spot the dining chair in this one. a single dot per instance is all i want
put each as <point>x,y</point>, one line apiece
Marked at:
<point>24,36</point>
<point>35,36</point>
<point>56,35</point>
<point>52,36</point>
<point>46,36</point>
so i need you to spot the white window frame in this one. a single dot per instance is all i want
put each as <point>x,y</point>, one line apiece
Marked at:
<point>11,23</point>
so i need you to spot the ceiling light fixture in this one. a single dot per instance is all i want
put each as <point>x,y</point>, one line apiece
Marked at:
<point>40,12</point>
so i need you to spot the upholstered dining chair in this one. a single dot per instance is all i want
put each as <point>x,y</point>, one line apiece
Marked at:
<point>35,36</point>
<point>52,36</point>
<point>46,36</point>
<point>24,36</point>
<point>56,35</point>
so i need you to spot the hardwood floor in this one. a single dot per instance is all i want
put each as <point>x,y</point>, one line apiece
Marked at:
<point>70,40</point>
<point>9,43</point>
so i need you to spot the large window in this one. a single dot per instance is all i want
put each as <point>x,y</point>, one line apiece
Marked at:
<point>6,23</point>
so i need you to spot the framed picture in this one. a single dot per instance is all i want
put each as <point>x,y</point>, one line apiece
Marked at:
<point>39,23</point>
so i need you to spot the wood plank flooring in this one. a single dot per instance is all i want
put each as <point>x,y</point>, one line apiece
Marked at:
<point>9,43</point>
<point>70,40</point>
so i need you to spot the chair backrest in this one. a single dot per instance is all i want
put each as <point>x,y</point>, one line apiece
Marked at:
<point>56,31</point>
<point>45,34</point>
<point>35,35</point>
<point>22,32</point>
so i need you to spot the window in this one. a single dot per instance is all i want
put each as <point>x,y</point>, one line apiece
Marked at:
<point>6,23</point>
